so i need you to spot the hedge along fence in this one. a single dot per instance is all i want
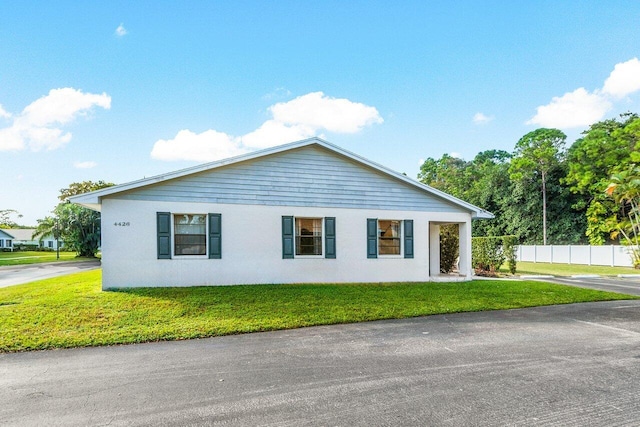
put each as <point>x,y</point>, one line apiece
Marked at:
<point>489,253</point>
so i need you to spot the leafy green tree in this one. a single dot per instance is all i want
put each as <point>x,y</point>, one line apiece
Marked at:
<point>484,182</point>
<point>447,174</point>
<point>607,147</point>
<point>77,226</point>
<point>490,187</point>
<point>76,188</point>
<point>5,218</point>
<point>47,226</point>
<point>535,155</point>
<point>625,189</point>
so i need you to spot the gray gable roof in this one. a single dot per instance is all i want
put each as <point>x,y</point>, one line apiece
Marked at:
<point>22,234</point>
<point>5,234</point>
<point>311,172</point>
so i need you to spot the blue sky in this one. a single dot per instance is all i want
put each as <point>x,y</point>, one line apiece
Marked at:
<point>122,90</point>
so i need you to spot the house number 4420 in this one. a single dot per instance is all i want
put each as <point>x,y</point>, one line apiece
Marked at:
<point>122,224</point>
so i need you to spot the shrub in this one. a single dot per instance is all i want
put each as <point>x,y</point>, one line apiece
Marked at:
<point>449,247</point>
<point>509,248</point>
<point>489,253</point>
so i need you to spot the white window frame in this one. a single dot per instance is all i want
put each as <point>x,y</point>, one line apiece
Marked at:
<point>295,238</point>
<point>400,243</point>
<point>205,255</point>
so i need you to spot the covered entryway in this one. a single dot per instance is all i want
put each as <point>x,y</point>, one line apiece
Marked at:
<point>464,270</point>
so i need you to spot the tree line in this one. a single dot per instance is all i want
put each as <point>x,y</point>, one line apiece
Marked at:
<point>546,193</point>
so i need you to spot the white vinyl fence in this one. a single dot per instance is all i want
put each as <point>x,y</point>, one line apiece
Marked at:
<point>611,255</point>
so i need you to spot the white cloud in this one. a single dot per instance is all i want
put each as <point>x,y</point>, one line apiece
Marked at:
<point>623,80</point>
<point>582,108</point>
<point>272,133</point>
<point>317,111</point>
<point>203,147</point>
<point>481,119</point>
<point>85,165</point>
<point>300,118</point>
<point>4,113</point>
<point>120,31</point>
<point>573,109</point>
<point>38,127</point>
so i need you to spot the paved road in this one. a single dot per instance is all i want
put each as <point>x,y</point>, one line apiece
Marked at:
<point>18,274</point>
<point>568,365</point>
<point>629,286</point>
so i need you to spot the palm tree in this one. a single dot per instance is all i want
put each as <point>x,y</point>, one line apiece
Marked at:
<point>625,189</point>
<point>48,226</point>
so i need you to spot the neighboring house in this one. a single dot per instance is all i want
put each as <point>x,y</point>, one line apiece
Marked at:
<point>6,241</point>
<point>304,212</point>
<point>23,237</point>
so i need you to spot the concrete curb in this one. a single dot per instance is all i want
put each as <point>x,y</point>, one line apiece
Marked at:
<point>536,276</point>
<point>585,276</point>
<point>629,276</point>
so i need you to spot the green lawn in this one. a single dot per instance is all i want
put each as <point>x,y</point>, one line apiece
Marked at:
<point>72,311</point>
<point>34,257</point>
<point>568,270</point>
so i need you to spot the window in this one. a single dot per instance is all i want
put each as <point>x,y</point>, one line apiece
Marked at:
<point>1,243</point>
<point>304,237</point>
<point>8,243</point>
<point>50,243</point>
<point>383,237</point>
<point>388,237</point>
<point>308,236</point>
<point>190,234</point>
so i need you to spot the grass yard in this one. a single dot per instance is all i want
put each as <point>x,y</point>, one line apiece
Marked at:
<point>72,311</point>
<point>568,269</point>
<point>34,257</point>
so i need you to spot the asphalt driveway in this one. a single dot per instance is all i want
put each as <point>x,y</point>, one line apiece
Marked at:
<point>565,365</point>
<point>624,285</point>
<point>19,274</point>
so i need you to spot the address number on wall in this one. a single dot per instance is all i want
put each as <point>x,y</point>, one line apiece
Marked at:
<point>122,224</point>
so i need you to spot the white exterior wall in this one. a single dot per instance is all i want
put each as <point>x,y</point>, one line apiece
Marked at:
<point>252,246</point>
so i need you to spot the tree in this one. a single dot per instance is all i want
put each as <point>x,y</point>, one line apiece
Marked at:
<point>77,226</point>
<point>48,226</point>
<point>76,188</point>
<point>606,148</point>
<point>5,218</point>
<point>625,189</point>
<point>447,174</point>
<point>535,155</point>
<point>490,187</point>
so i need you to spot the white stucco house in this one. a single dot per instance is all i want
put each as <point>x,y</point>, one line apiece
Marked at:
<point>6,241</point>
<point>18,237</point>
<point>304,212</point>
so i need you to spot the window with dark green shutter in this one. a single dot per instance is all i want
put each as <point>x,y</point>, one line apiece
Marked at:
<point>330,237</point>
<point>287,237</point>
<point>372,238</point>
<point>189,234</point>
<point>215,236</point>
<point>163,227</point>
<point>408,238</point>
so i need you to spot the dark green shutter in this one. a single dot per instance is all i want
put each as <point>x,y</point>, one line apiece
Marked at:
<point>287,237</point>
<point>330,237</point>
<point>372,238</point>
<point>215,236</point>
<point>408,238</point>
<point>163,226</point>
